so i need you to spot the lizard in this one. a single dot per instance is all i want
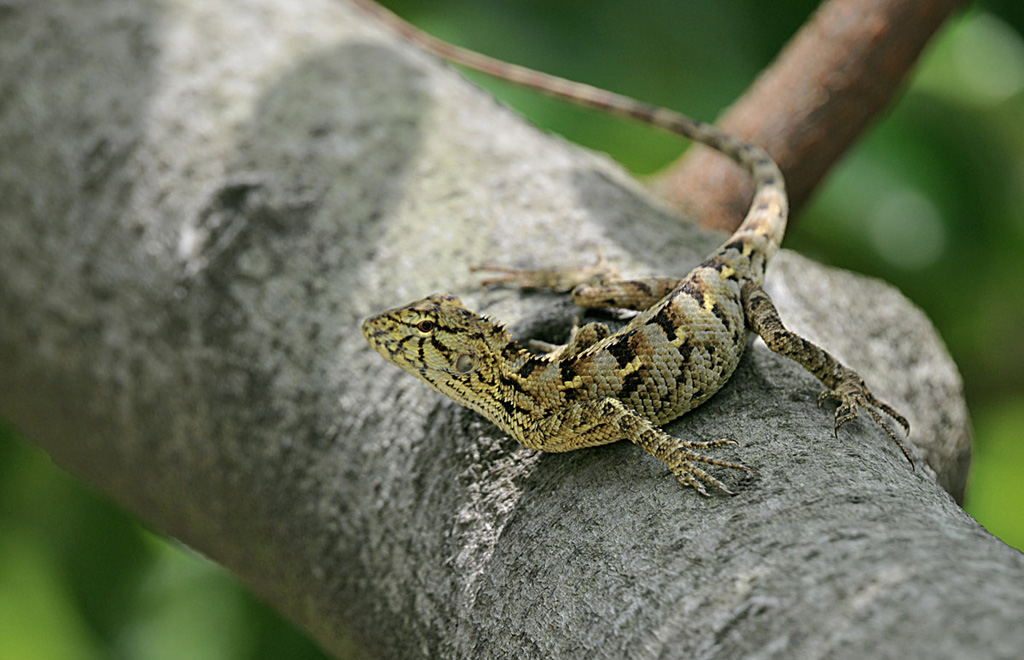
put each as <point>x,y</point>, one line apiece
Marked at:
<point>679,350</point>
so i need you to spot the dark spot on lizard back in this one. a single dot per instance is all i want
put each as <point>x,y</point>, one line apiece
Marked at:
<point>632,382</point>
<point>685,349</point>
<point>527,368</point>
<point>694,290</point>
<point>716,309</point>
<point>719,264</point>
<point>574,394</point>
<point>664,319</point>
<point>622,350</point>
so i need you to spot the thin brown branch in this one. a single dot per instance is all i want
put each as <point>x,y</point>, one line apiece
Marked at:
<point>832,80</point>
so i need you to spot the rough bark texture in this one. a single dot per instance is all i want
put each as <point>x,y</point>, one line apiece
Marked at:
<point>200,202</point>
<point>836,77</point>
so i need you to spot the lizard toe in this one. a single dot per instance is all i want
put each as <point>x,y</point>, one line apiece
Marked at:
<point>854,395</point>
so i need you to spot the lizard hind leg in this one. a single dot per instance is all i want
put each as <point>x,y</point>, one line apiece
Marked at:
<point>597,285</point>
<point>581,338</point>
<point>558,279</point>
<point>842,383</point>
<point>685,463</point>
<point>679,454</point>
<point>589,423</point>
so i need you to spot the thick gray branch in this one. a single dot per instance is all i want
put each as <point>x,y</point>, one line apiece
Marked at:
<point>199,203</point>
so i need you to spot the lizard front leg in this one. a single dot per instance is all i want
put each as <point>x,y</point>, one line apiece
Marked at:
<point>843,384</point>
<point>581,338</point>
<point>637,295</point>
<point>598,422</point>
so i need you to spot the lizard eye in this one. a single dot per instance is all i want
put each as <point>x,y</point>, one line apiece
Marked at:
<point>426,325</point>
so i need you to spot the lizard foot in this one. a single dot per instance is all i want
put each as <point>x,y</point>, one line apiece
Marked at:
<point>852,395</point>
<point>685,464</point>
<point>691,474</point>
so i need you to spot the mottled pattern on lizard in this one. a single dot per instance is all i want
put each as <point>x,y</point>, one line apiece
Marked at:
<point>603,387</point>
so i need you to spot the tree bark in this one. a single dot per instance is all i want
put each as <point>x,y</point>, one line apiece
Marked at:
<point>201,201</point>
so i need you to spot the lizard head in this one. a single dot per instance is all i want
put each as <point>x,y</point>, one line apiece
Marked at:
<point>438,340</point>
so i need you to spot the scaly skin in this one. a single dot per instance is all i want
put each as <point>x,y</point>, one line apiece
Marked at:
<point>604,387</point>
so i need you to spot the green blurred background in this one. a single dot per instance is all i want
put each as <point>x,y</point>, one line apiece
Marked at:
<point>944,221</point>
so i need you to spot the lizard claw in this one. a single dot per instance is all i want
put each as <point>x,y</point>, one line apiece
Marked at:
<point>693,476</point>
<point>690,474</point>
<point>852,395</point>
<point>708,444</point>
<point>688,479</point>
<point>689,465</point>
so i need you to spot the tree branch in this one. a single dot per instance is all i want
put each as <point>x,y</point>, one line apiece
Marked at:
<point>196,220</point>
<point>833,79</point>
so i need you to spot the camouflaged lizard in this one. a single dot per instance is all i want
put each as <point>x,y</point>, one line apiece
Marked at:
<point>676,353</point>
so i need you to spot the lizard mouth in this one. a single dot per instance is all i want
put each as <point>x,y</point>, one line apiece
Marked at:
<point>377,336</point>
<point>396,350</point>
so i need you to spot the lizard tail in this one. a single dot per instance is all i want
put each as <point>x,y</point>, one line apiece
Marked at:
<point>765,223</point>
